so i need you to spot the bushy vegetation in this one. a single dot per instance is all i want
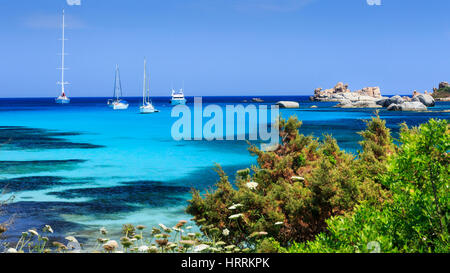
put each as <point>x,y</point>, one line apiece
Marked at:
<point>297,187</point>
<point>310,192</point>
<point>416,219</point>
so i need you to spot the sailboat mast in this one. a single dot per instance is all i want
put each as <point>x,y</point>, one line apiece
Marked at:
<point>115,82</point>
<point>148,88</point>
<point>145,82</point>
<point>63,53</point>
<point>118,89</point>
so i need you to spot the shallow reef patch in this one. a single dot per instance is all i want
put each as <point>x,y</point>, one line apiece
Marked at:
<point>18,137</point>
<point>142,193</point>
<point>33,183</point>
<point>36,166</point>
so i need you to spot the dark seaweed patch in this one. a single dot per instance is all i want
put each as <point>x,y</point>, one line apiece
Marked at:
<point>33,183</point>
<point>16,137</point>
<point>23,167</point>
<point>28,214</point>
<point>148,193</point>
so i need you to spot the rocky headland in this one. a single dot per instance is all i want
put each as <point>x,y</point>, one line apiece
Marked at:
<point>370,97</point>
<point>442,93</point>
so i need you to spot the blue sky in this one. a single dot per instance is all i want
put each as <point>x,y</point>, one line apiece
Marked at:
<point>225,47</point>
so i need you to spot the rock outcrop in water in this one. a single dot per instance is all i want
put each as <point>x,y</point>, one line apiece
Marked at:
<point>364,98</point>
<point>288,104</point>
<point>257,100</point>
<point>392,100</point>
<point>407,106</point>
<point>426,99</point>
<point>358,104</point>
<point>370,97</point>
<point>419,102</point>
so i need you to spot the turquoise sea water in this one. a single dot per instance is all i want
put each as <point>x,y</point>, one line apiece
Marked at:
<point>82,166</point>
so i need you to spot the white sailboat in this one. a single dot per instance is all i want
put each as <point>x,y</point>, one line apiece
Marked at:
<point>117,103</point>
<point>62,99</point>
<point>147,106</point>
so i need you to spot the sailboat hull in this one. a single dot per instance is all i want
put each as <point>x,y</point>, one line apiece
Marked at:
<point>178,101</point>
<point>62,101</point>
<point>120,106</point>
<point>148,109</point>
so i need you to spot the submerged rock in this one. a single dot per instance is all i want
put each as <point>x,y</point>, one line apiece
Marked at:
<point>288,104</point>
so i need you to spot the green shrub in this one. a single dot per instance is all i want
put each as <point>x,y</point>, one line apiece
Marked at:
<point>268,245</point>
<point>294,189</point>
<point>417,217</point>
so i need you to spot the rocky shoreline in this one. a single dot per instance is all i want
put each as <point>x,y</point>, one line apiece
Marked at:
<point>370,97</point>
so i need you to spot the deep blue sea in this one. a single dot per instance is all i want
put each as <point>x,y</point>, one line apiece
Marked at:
<point>82,166</point>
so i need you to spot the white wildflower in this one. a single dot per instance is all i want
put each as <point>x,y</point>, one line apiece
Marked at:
<point>163,226</point>
<point>279,223</point>
<point>252,185</point>
<point>71,239</point>
<point>11,250</point>
<point>177,229</point>
<point>143,249</point>
<point>235,206</point>
<point>33,232</point>
<point>166,229</point>
<point>226,232</point>
<point>298,178</point>
<point>200,248</point>
<point>172,245</point>
<point>48,228</point>
<point>234,216</point>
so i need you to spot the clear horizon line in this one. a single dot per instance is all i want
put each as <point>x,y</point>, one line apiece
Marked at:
<point>254,96</point>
